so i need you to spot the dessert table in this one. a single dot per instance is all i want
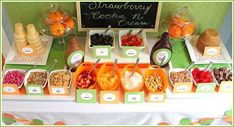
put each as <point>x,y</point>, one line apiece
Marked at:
<point>172,111</point>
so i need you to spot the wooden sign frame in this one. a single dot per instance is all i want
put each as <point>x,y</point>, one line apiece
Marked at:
<point>155,29</point>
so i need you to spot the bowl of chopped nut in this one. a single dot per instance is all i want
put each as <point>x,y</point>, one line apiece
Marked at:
<point>36,77</point>
<point>60,77</point>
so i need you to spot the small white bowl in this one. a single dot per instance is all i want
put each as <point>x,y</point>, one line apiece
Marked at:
<point>176,70</point>
<point>214,80</point>
<point>134,32</point>
<point>20,70</point>
<point>61,70</point>
<point>36,70</point>
<point>109,32</point>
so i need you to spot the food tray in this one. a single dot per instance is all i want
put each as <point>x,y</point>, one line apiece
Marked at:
<point>195,56</point>
<point>14,57</point>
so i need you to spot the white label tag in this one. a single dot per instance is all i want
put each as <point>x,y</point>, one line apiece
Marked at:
<point>34,90</point>
<point>211,51</point>
<point>134,97</point>
<point>86,96</point>
<point>162,55</point>
<point>76,57</point>
<point>9,89</point>
<point>102,52</point>
<point>27,50</point>
<point>109,97</point>
<point>227,87</point>
<point>56,90</point>
<point>156,97</point>
<point>182,88</point>
<point>205,88</point>
<point>131,52</point>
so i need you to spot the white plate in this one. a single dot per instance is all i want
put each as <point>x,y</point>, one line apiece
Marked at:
<point>42,59</point>
<point>195,56</point>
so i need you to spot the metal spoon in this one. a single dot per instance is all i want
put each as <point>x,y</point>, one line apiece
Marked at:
<point>53,64</point>
<point>113,70</point>
<point>189,67</point>
<point>73,65</point>
<point>108,28</point>
<point>209,66</point>
<point>139,32</point>
<point>135,66</point>
<point>34,65</point>
<point>229,72</point>
<point>51,68</point>
<point>90,72</point>
<point>193,79</point>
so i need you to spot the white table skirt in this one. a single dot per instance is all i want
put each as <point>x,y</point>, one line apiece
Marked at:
<point>171,111</point>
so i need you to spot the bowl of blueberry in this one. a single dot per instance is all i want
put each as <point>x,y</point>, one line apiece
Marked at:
<point>99,38</point>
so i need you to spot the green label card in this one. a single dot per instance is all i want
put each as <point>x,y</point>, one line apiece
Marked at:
<point>205,87</point>
<point>103,52</point>
<point>34,90</point>
<point>134,97</point>
<point>86,96</point>
<point>130,51</point>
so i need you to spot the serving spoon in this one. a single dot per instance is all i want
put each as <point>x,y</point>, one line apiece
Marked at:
<point>113,70</point>
<point>135,66</point>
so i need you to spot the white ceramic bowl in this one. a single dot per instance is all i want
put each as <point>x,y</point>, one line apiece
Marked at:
<point>20,70</point>
<point>61,70</point>
<point>134,31</point>
<point>36,70</point>
<point>213,78</point>
<point>110,32</point>
<point>175,70</point>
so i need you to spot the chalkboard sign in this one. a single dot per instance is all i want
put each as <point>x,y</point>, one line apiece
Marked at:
<point>118,15</point>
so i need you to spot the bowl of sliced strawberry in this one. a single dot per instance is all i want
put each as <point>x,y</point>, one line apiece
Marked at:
<point>201,75</point>
<point>132,37</point>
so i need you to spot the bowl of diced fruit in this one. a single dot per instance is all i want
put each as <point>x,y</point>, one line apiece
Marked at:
<point>133,37</point>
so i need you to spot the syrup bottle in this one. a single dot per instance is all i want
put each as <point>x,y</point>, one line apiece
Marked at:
<point>74,54</point>
<point>162,51</point>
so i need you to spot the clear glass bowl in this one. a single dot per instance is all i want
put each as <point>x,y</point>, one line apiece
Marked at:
<point>55,23</point>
